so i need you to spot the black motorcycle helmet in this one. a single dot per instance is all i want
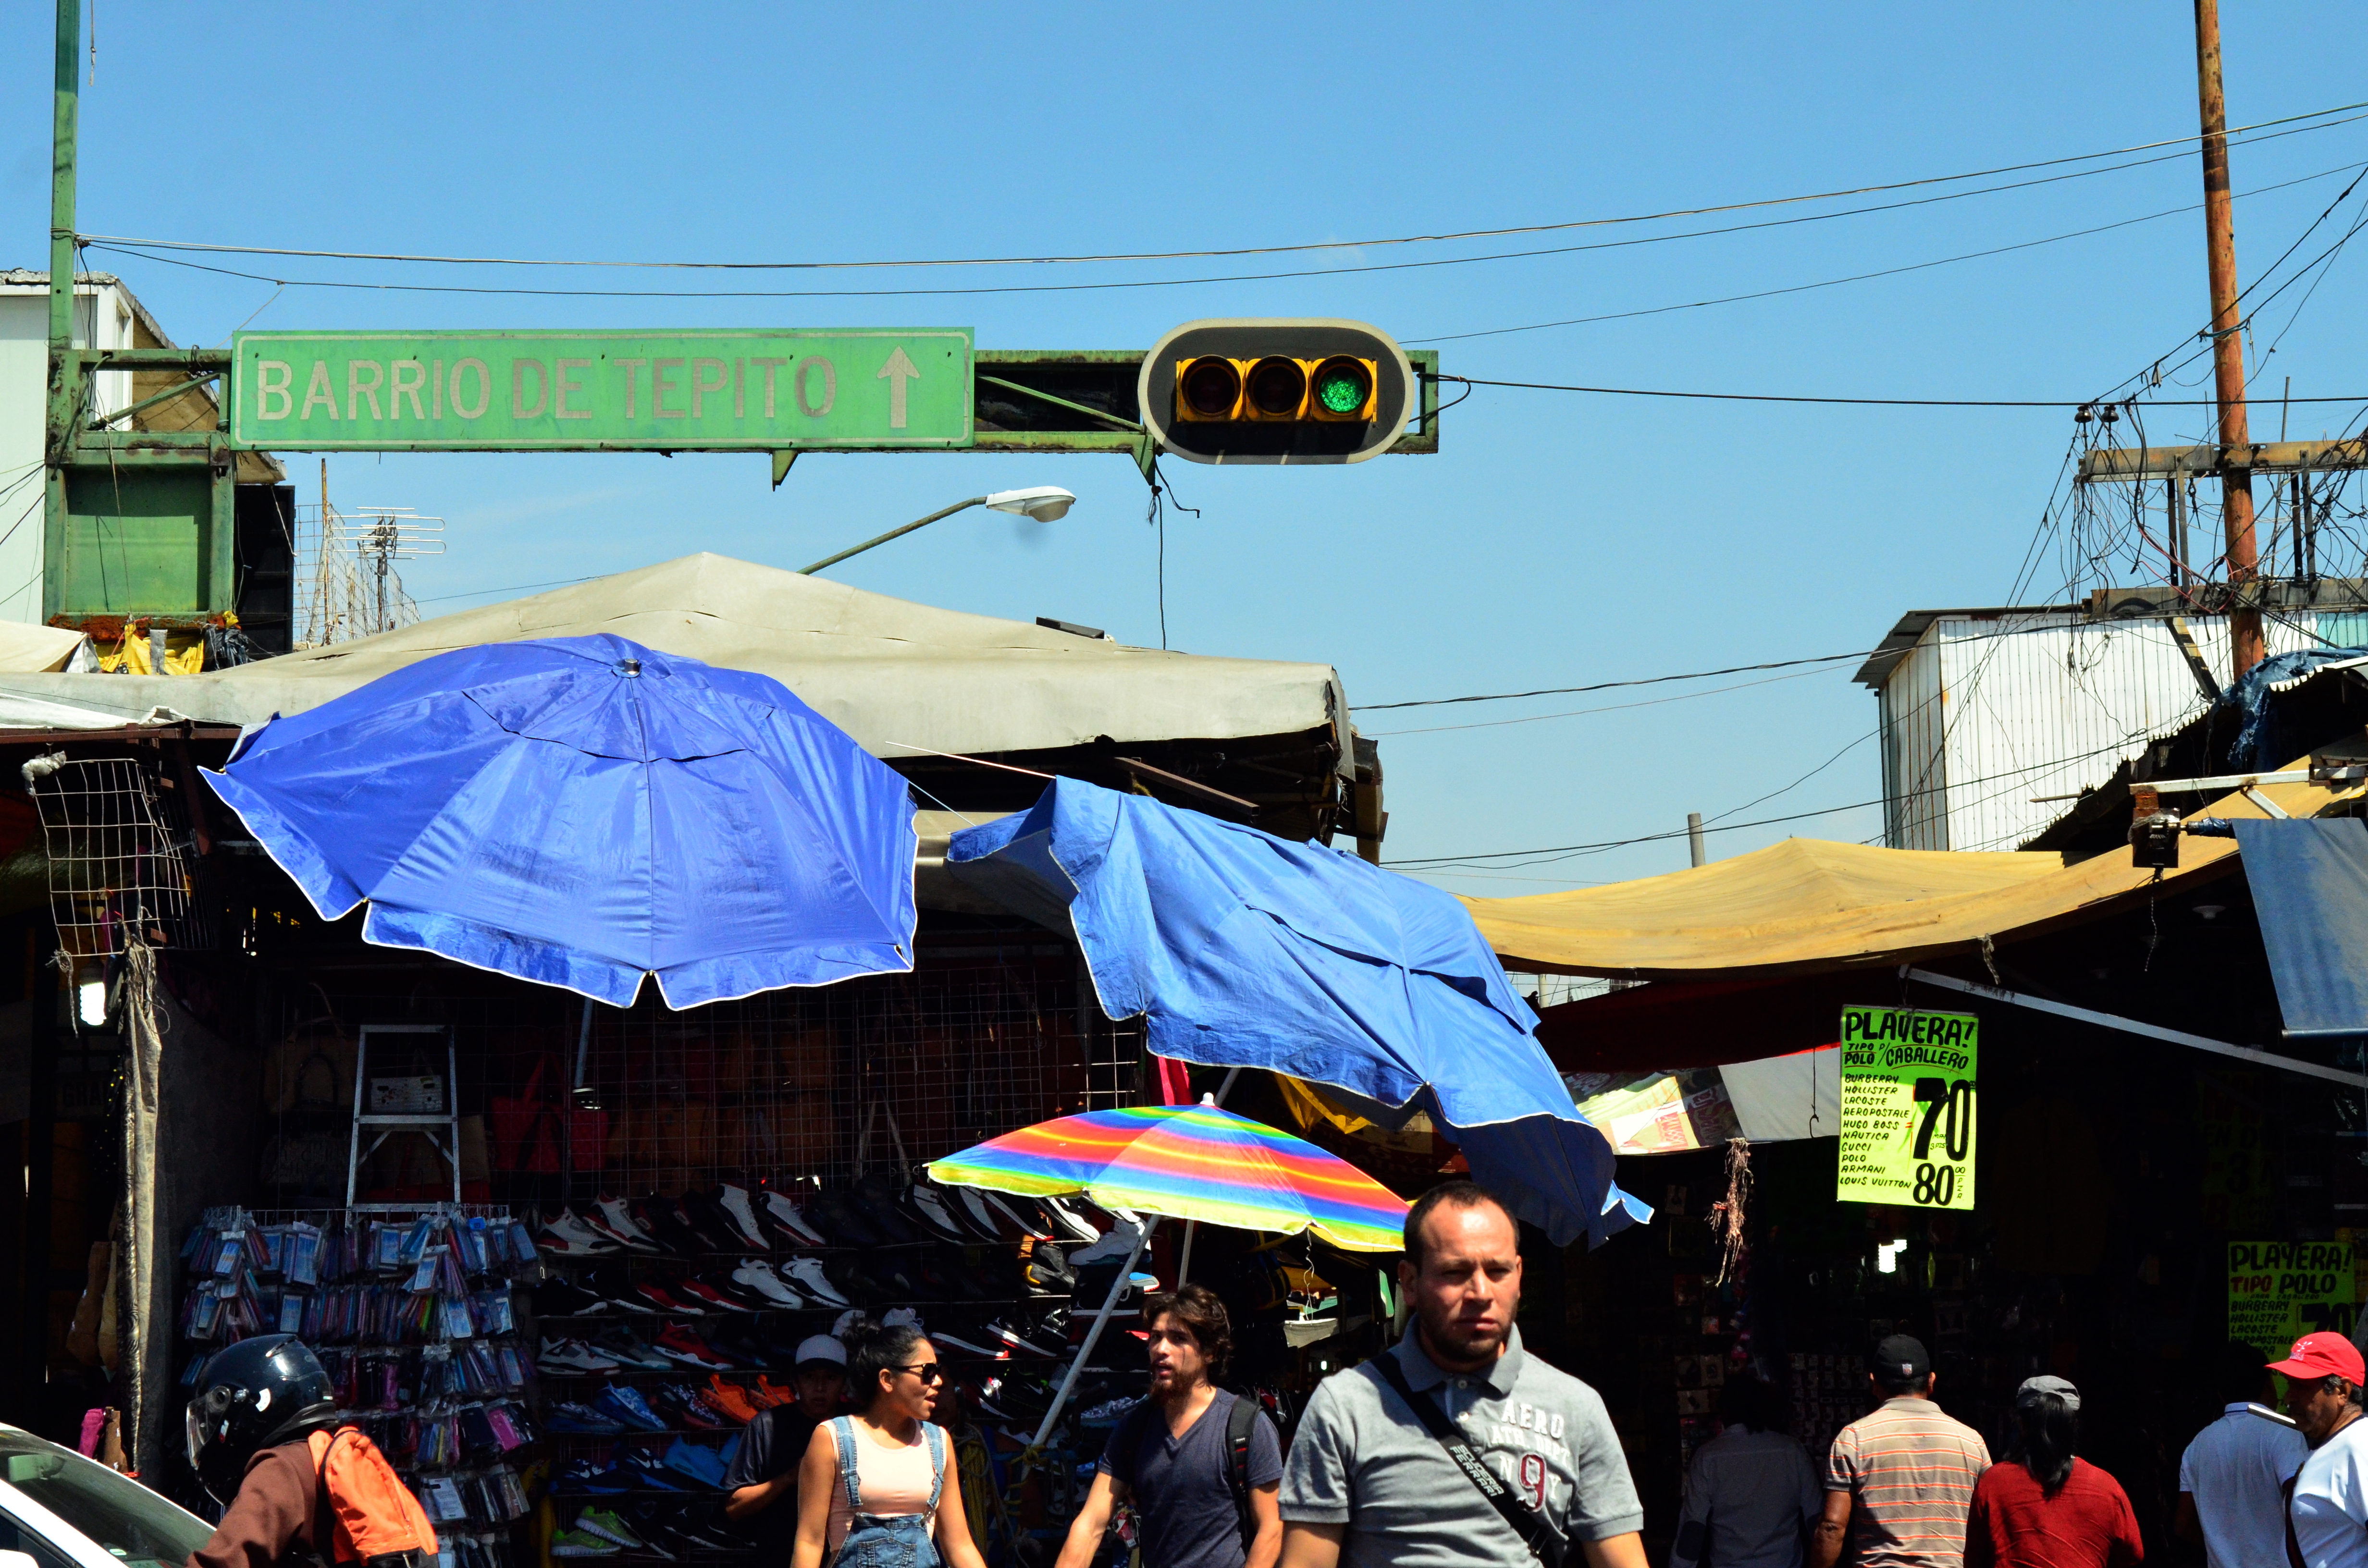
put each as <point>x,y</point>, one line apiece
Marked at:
<point>258,1394</point>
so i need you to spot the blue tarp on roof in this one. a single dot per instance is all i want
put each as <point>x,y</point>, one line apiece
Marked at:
<point>584,811</point>
<point>1243,950</point>
<point>2309,882</point>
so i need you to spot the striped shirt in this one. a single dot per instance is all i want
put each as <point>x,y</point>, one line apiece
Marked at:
<point>1910,1471</point>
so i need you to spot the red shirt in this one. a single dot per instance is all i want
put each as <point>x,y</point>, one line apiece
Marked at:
<point>2088,1524</point>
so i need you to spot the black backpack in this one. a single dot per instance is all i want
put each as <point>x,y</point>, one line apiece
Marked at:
<point>1240,1421</point>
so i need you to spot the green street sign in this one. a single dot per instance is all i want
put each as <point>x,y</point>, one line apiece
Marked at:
<point>724,390</point>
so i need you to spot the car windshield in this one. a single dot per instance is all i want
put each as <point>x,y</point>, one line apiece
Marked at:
<point>125,1519</point>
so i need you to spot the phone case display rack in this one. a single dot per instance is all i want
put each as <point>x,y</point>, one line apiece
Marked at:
<point>415,1321</point>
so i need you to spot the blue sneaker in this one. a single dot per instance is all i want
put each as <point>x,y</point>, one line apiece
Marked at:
<point>584,1476</point>
<point>640,1471</point>
<point>623,1404</point>
<point>699,1463</point>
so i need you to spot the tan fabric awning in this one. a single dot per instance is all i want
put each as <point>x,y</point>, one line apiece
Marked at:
<point>1807,905</point>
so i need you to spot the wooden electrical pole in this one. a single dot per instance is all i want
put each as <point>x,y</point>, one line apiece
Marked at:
<point>2228,344</point>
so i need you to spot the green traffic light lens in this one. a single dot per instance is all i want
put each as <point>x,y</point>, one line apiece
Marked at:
<point>1342,386</point>
<point>1278,386</point>
<point>1212,387</point>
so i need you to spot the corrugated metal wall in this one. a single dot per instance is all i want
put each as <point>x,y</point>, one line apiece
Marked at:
<point>1987,712</point>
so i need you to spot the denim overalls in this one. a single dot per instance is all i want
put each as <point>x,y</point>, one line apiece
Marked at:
<point>873,1540</point>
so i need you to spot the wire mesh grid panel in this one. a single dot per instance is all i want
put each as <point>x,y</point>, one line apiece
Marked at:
<point>879,1073</point>
<point>118,865</point>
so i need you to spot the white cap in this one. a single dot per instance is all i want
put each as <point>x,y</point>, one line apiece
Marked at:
<point>822,1347</point>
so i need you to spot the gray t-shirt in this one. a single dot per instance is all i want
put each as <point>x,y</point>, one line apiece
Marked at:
<point>1181,1489</point>
<point>1360,1457</point>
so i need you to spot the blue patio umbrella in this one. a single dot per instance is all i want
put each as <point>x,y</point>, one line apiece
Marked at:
<point>1243,950</point>
<point>584,811</point>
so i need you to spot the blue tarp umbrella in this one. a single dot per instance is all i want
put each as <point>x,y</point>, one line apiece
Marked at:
<point>1245,949</point>
<point>584,811</point>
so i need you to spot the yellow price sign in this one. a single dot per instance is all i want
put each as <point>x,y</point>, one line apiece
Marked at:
<point>1908,1107</point>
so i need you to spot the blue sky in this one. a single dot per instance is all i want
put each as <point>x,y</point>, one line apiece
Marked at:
<point>1557,540</point>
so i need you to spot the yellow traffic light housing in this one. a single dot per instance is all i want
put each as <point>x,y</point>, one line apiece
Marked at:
<point>1209,390</point>
<point>1277,390</point>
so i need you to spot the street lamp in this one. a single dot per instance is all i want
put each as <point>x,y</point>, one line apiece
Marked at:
<point>1045,503</point>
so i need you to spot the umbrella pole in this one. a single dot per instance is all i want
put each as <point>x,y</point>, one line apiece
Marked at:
<point>1184,1263</point>
<point>1101,1319</point>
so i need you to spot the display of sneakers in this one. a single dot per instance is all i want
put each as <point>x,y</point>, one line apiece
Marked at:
<point>806,1274</point>
<point>613,1218</point>
<point>785,1217</point>
<point>571,1356</point>
<point>683,1346</point>
<point>564,1235</point>
<point>623,1404</point>
<point>582,1543</point>
<point>697,1461</point>
<point>741,1216</point>
<point>569,1416</point>
<point>756,1276</point>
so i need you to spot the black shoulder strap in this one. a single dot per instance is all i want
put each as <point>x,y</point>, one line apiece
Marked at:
<point>1539,1537</point>
<point>1240,1421</point>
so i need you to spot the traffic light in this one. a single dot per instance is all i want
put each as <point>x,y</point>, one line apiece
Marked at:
<point>1277,390</point>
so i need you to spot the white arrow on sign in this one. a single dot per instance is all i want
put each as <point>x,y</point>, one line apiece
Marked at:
<point>897,373</point>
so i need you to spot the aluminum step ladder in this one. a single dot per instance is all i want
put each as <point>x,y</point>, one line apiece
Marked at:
<point>396,1105</point>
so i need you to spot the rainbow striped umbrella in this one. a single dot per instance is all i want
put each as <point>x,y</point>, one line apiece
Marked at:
<point>1191,1163</point>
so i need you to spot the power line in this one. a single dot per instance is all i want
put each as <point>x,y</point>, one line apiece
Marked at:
<point>2179,141</point>
<point>130,247</point>
<point>1852,401</point>
<point>1562,850</point>
<point>1866,276</point>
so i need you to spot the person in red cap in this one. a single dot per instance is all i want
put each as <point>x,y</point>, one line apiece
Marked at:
<point>2329,1514</point>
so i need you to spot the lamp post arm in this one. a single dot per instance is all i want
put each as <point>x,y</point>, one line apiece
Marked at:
<point>892,533</point>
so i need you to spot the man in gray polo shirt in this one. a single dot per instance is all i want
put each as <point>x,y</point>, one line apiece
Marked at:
<point>1367,1485</point>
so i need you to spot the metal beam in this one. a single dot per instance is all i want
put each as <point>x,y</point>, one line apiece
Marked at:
<point>2109,464</point>
<point>2130,1026</point>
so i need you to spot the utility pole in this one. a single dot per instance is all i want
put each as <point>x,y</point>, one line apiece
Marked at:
<point>60,413</point>
<point>2245,645</point>
<point>1694,839</point>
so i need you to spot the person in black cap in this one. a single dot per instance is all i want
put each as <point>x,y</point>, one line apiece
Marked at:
<point>1899,1483</point>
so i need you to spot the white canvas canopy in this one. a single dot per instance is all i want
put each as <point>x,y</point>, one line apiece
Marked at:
<point>899,678</point>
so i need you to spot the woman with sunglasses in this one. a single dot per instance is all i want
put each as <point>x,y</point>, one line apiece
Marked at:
<point>872,1489</point>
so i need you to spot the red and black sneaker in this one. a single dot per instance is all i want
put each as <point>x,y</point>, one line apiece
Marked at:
<point>680,1344</point>
<point>666,1299</point>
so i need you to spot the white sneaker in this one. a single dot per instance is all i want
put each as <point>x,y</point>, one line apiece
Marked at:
<point>571,1356</point>
<point>734,1201</point>
<point>756,1274</point>
<point>806,1274</point>
<point>571,1237</point>
<point>784,1214</point>
<point>612,1218</point>
<point>1080,1231</point>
